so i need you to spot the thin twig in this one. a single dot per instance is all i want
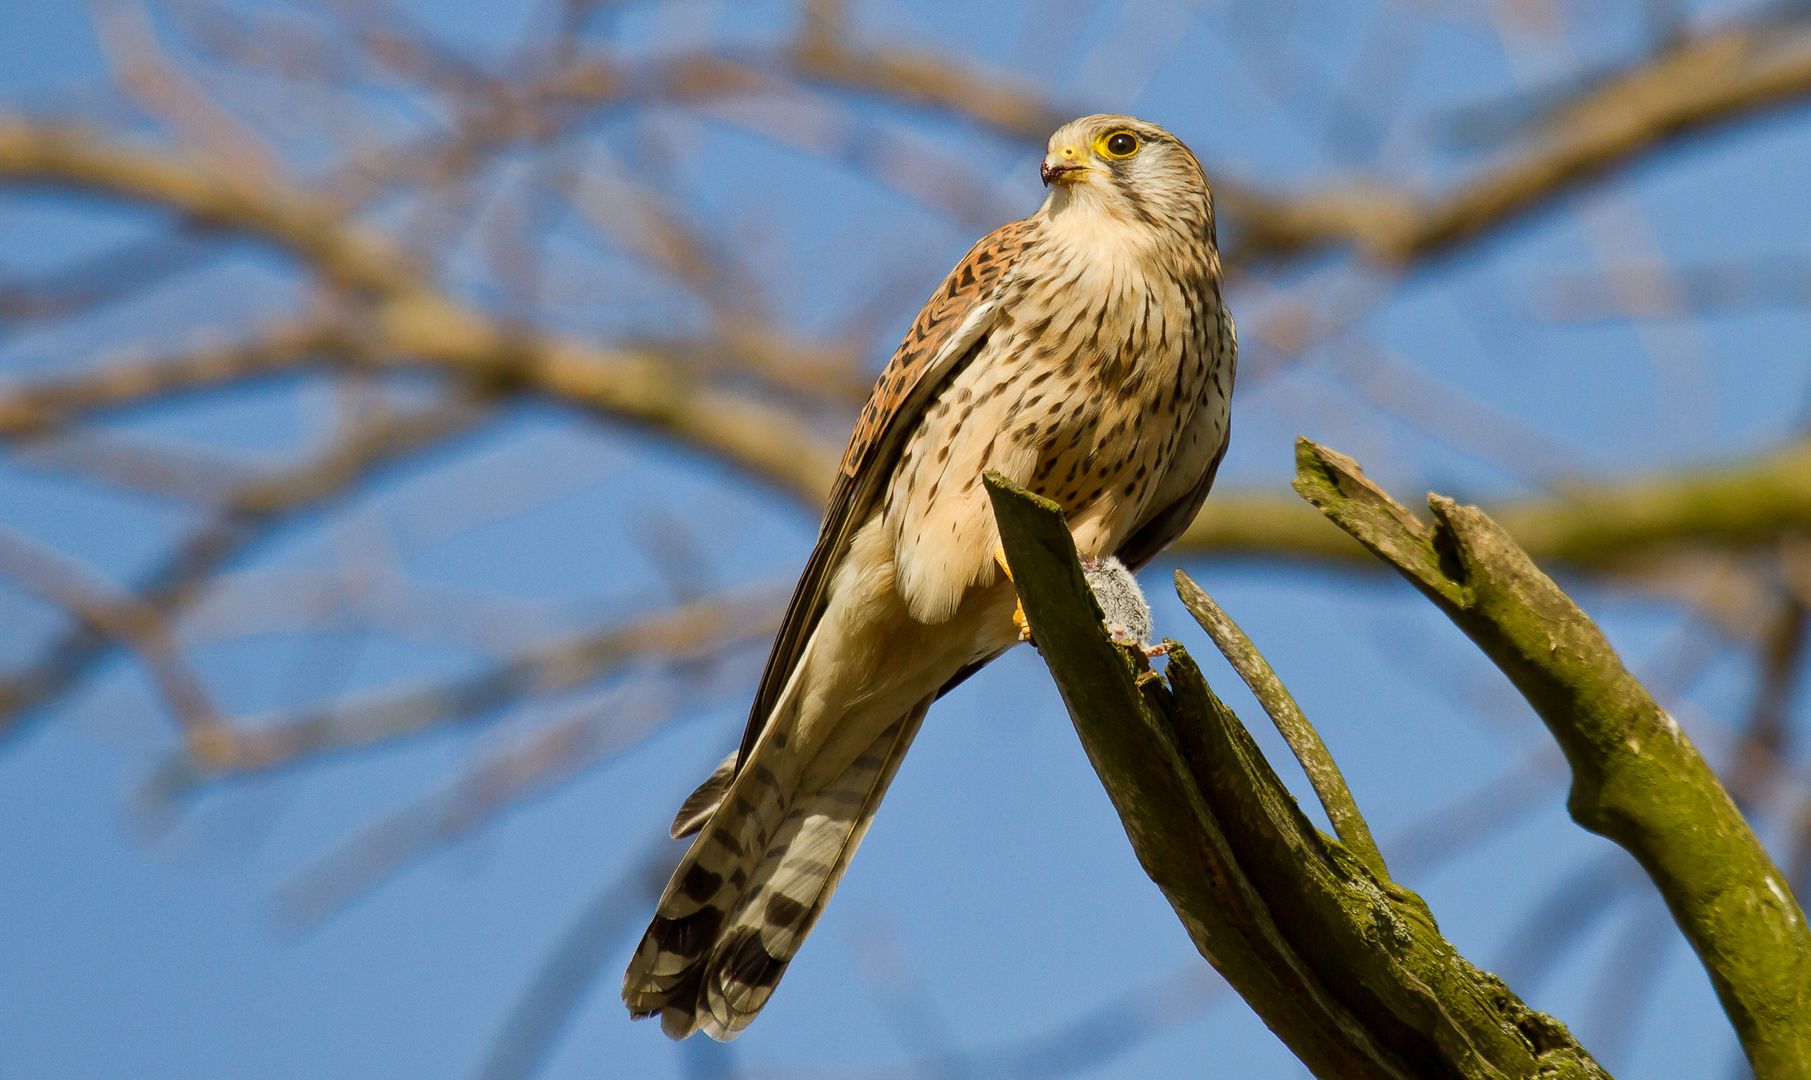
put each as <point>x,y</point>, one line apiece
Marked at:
<point>1705,82</point>
<point>278,348</point>
<point>118,614</point>
<point>541,760</point>
<point>688,634</point>
<point>248,514</point>
<point>1317,761</point>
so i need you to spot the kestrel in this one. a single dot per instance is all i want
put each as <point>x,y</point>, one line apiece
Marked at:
<point>1084,352</point>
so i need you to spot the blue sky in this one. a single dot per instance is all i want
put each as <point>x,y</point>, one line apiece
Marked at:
<point>997,864</point>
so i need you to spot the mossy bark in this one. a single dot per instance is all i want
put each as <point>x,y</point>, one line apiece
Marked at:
<point>1636,778</point>
<point>1348,968</point>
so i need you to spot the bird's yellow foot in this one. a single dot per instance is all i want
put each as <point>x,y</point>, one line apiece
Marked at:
<point>1018,610</point>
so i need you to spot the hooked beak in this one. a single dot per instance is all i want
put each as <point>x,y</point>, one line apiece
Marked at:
<point>1062,166</point>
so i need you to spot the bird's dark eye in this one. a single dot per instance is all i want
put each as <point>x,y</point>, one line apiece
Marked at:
<point>1122,144</point>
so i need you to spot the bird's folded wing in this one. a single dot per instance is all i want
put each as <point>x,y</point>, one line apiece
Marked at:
<point>943,339</point>
<point>1162,528</point>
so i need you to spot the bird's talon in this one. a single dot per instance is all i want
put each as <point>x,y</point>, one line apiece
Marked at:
<point>1018,610</point>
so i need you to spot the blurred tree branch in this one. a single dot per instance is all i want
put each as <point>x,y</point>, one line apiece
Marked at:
<point>686,634</point>
<point>246,514</point>
<point>283,347</point>
<point>402,319</point>
<point>106,610</point>
<point>1594,524</point>
<point>1697,84</point>
<point>408,322</point>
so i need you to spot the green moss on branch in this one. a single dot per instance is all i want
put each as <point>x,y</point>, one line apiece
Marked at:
<point>1637,778</point>
<point>1323,772</point>
<point>1346,967</point>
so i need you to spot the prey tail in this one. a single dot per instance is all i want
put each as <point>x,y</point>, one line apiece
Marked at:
<point>753,885</point>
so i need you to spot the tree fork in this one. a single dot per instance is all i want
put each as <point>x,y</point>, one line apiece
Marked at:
<point>1348,968</point>
<point>1636,778</point>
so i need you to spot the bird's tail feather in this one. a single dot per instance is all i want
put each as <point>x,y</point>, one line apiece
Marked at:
<point>701,804</point>
<point>752,887</point>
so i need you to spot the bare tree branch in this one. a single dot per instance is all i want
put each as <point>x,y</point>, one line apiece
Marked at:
<point>1304,741</point>
<point>110,611</point>
<point>275,349</point>
<point>1636,778</point>
<point>247,514</point>
<point>414,325</point>
<point>522,769</point>
<point>1347,968</point>
<point>686,634</point>
<point>1699,84</point>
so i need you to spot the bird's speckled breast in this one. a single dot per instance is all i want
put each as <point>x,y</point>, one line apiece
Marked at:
<point>1103,384</point>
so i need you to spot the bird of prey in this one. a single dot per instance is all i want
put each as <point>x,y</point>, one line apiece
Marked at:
<point>1085,353</point>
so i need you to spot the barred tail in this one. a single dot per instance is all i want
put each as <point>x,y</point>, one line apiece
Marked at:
<point>751,888</point>
<point>701,804</point>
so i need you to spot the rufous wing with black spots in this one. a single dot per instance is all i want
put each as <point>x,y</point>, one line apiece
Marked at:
<point>767,858</point>
<point>945,336</point>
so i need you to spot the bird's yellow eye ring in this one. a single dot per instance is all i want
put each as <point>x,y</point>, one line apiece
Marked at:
<point>1119,144</point>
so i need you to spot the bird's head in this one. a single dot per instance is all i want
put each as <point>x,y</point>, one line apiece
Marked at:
<point>1125,166</point>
